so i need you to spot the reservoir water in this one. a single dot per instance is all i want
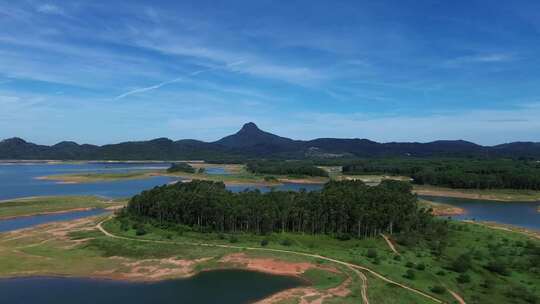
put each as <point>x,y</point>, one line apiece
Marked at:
<point>19,180</point>
<point>30,221</point>
<point>221,286</point>
<point>523,214</point>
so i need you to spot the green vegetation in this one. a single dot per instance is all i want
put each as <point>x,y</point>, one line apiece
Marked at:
<point>40,205</point>
<point>291,168</point>
<point>98,177</point>
<point>181,167</point>
<point>465,264</point>
<point>456,173</point>
<point>344,209</point>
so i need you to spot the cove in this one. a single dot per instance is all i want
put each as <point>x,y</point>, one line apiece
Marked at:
<point>19,180</point>
<point>219,286</point>
<point>34,220</point>
<point>523,214</point>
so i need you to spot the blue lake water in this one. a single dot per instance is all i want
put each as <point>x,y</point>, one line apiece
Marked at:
<point>30,221</point>
<point>221,286</point>
<point>523,214</point>
<point>216,171</point>
<point>19,180</point>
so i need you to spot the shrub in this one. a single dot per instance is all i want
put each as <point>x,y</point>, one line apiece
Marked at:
<point>487,284</point>
<point>397,257</point>
<point>124,225</point>
<point>409,265</point>
<point>462,263</point>
<point>264,243</point>
<point>409,274</point>
<point>371,253</point>
<point>140,230</point>
<point>438,289</point>
<point>497,267</point>
<point>441,273</point>
<point>343,236</point>
<point>519,292</point>
<point>181,167</point>
<point>463,278</point>
<point>233,239</point>
<point>421,266</point>
<point>286,242</point>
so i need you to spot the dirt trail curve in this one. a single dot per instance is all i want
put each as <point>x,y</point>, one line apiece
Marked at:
<point>349,265</point>
<point>457,297</point>
<point>389,242</point>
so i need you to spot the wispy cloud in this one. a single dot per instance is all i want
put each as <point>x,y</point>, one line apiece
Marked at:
<point>51,9</point>
<point>179,79</point>
<point>484,58</point>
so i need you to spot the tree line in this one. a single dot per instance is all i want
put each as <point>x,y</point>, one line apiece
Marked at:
<point>344,209</point>
<point>285,168</point>
<point>457,173</point>
<point>180,167</point>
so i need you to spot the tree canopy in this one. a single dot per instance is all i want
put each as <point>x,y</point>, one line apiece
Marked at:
<point>285,168</point>
<point>345,208</point>
<point>456,173</point>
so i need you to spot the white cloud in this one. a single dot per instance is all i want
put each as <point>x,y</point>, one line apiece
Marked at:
<point>51,9</point>
<point>159,85</point>
<point>484,58</point>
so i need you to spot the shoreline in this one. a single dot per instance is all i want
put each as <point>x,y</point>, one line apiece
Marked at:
<point>506,227</point>
<point>468,194</point>
<point>110,208</point>
<point>228,180</point>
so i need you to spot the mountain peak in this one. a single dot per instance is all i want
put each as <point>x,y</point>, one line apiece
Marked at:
<point>14,141</point>
<point>250,127</point>
<point>250,135</point>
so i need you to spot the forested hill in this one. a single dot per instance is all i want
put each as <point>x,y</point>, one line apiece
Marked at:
<point>251,142</point>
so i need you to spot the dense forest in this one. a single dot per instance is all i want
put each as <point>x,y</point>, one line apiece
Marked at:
<point>285,168</point>
<point>343,209</point>
<point>180,167</point>
<point>456,173</point>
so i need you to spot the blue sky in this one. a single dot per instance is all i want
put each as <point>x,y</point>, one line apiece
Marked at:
<point>108,71</point>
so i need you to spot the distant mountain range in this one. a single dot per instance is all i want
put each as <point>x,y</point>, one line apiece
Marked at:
<point>251,142</point>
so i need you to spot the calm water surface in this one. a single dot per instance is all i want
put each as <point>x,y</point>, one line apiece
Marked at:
<point>19,180</point>
<point>223,286</point>
<point>523,214</point>
<point>217,171</point>
<point>30,221</point>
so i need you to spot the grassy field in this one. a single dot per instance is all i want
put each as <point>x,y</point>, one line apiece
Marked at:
<point>478,283</point>
<point>52,204</point>
<point>77,248</point>
<point>100,177</point>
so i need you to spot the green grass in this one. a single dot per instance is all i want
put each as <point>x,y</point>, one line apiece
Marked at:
<point>100,177</point>
<point>38,205</point>
<point>484,244</point>
<point>322,279</point>
<point>37,252</point>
